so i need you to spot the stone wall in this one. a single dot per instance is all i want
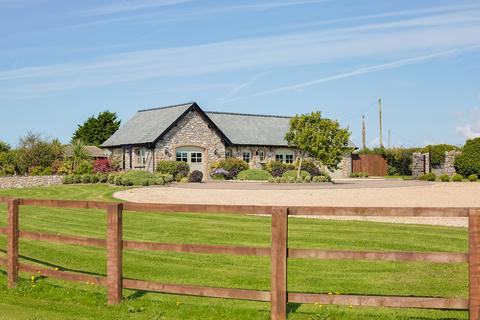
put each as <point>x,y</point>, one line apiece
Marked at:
<point>446,168</point>
<point>28,181</point>
<point>420,164</point>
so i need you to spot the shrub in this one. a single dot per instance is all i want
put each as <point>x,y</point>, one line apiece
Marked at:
<point>437,152</point>
<point>468,162</point>
<point>93,178</point>
<point>138,177</point>
<point>358,175</point>
<point>160,181</point>
<point>293,173</point>
<point>178,169</point>
<point>118,180</point>
<point>457,178</point>
<point>276,168</point>
<point>445,178</point>
<point>308,179</point>
<point>102,178</point>
<point>283,179</point>
<point>66,167</point>
<point>76,178</point>
<point>102,166</point>
<point>232,165</point>
<point>40,171</point>
<point>67,180</point>
<point>254,174</point>
<point>111,178</point>
<point>309,166</point>
<point>271,180</point>
<point>220,174</point>
<point>428,177</point>
<point>290,179</point>
<point>127,181</point>
<point>195,176</point>
<point>473,177</point>
<point>84,167</point>
<point>184,180</point>
<point>319,179</point>
<point>85,178</point>
<point>299,180</point>
<point>167,178</point>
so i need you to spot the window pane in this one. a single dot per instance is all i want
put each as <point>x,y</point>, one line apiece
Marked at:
<point>262,156</point>
<point>196,157</point>
<point>289,158</point>
<point>182,156</point>
<point>279,157</point>
<point>246,157</point>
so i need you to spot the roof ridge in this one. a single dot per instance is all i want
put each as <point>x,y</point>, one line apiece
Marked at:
<point>249,114</point>
<point>166,107</point>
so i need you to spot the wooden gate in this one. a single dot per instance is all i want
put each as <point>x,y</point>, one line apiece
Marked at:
<point>373,164</point>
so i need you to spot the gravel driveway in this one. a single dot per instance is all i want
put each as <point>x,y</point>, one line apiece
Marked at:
<point>348,192</point>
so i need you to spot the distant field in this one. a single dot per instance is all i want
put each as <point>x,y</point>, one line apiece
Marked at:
<point>52,299</point>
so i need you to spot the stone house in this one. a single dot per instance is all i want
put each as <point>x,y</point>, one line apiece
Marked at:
<point>187,133</point>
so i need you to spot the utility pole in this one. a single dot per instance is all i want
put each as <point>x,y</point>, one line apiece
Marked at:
<point>364,142</point>
<point>380,118</point>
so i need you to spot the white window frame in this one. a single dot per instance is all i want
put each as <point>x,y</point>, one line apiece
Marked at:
<point>195,157</point>
<point>248,158</point>
<point>182,155</point>
<point>141,156</point>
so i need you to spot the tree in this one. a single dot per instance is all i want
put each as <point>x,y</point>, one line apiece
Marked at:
<point>79,153</point>
<point>35,151</point>
<point>96,130</point>
<point>4,147</point>
<point>320,138</point>
<point>468,162</point>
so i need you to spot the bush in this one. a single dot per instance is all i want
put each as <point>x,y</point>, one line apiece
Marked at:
<point>76,178</point>
<point>276,168</point>
<point>283,179</point>
<point>254,174</point>
<point>457,178</point>
<point>428,177</point>
<point>127,182</point>
<point>111,178</point>
<point>232,165</point>
<point>358,175</point>
<point>160,181</point>
<point>468,162</point>
<point>67,180</point>
<point>84,167</point>
<point>437,152</point>
<point>178,169</point>
<point>308,179</point>
<point>195,176</point>
<point>118,180</point>
<point>40,171</point>
<point>220,174</point>
<point>293,173</point>
<point>102,178</point>
<point>473,177</point>
<point>290,179</point>
<point>309,166</point>
<point>184,180</point>
<point>319,179</point>
<point>66,167</point>
<point>85,178</point>
<point>271,180</point>
<point>138,177</point>
<point>93,178</point>
<point>300,179</point>
<point>167,178</point>
<point>445,178</point>
<point>103,166</point>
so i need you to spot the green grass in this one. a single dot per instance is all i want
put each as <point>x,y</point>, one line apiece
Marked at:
<point>254,174</point>
<point>54,299</point>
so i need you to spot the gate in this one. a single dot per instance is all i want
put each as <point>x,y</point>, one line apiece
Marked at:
<point>372,164</point>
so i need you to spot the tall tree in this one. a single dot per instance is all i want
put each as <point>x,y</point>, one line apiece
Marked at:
<point>320,138</point>
<point>96,130</point>
<point>4,147</point>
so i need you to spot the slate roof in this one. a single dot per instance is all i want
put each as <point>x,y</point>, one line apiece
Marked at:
<point>93,151</point>
<point>237,128</point>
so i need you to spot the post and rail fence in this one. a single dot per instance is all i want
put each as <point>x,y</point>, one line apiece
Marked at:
<point>279,253</point>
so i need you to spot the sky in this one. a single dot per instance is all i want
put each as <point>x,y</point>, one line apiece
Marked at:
<point>63,61</point>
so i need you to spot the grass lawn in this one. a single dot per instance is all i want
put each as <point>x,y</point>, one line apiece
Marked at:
<point>54,299</point>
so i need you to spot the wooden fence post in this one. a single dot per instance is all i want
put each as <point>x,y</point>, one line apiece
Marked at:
<point>278,285</point>
<point>12,243</point>
<point>114,253</point>
<point>474,263</point>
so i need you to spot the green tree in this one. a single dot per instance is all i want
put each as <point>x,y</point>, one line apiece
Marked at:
<point>96,130</point>
<point>79,153</point>
<point>4,147</point>
<point>36,151</point>
<point>468,162</point>
<point>320,138</point>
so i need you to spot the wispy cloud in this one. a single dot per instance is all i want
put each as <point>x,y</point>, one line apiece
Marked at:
<point>421,39</point>
<point>470,128</point>
<point>359,71</point>
<point>129,6</point>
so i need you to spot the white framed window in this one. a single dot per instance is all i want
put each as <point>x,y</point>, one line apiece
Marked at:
<point>279,157</point>
<point>228,154</point>
<point>289,158</point>
<point>196,157</point>
<point>182,156</point>
<point>247,156</point>
<point>141,158</point>
<point>261,155</point>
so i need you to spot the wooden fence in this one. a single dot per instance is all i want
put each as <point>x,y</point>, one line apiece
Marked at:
<point>373,164</point>
<point>279,253</point>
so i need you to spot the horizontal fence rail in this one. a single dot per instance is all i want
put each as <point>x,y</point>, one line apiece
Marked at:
<point>279,253</point>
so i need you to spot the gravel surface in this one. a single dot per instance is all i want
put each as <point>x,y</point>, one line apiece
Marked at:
<point>365,193</point>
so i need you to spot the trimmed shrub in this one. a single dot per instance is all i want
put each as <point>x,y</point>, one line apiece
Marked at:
<point>178,169</point>
<point>254,174</point>
<point>76,178</point>
<point>468,162</point>
<point>103,166</point>
<point>84,167</point>
<point>85,178</point>
<point>127,181</point>
<point>220,174</point>
<point>445,178</point>
<point>308,179</point>
<point>67,180</point>
<point>290,179</point>
<point>138,177</point>
<point>457,178</point>
<point>93,178</point>
<point>232,165</point>
<point>293,173</point>
<point>118,180</point>
<point>102,178</point>
<point>40,171</point>
<point>160,181</point>
<point>184,180</point>
<point>111,178</point>
<point>195,176</point>
<point>310,167</point>
<point>473,177</point>
<point>358,175</point>
<point>167,178</point>
<point>428,177</point>
<point>276,168</point>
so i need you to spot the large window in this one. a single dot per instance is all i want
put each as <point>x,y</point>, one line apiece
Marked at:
<point>279,157</point>
<point>285,155</point>
<point>228,154</point>
<point>141,158</point>
<point>247,156</point>
<point>289,158</point>
<point>195,157</point>
<point>182,156</point>
<point>261,155</point>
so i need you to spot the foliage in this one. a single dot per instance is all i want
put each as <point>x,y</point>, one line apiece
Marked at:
<point>167,178</point>
<point>358,175</point>
<point>103,166</point>
<point>277,168</point>
<point>96,130</point>
<point>178,169</point>
<point>293,173</point>
<point>40,171</point>
<point>4,147</point>
<point>310,166</point>
<point>428,177</point>
<point>399,160</point>
<point>195,176</point>
<point>468,162</point>
<point>473,177</point>
<point>437,152</point>
<point>183,180</point>
<point>7,163</point>
<point>232,165</point>
<point>139,177</point>
<point>84,167</point>
<point>220,174</point>
<point>254,174</point>
<point>79,153</point>
<point>35,151</point>
<point>445,178</point>
<point>308,179</point>
<point>323,139</point>
<point>457,178</point>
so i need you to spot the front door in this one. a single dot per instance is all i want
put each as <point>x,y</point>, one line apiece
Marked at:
<point>193,156</point>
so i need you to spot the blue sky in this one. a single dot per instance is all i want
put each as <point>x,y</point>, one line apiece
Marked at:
<point>62,61</point>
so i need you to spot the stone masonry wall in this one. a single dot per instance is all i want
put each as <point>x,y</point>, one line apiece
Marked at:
<point>448,167</point>
<point>28,181</point>
<point>420,164</point>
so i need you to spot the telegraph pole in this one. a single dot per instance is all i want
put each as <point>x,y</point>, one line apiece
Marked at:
<point>364,143</point>
<point>380,118</point>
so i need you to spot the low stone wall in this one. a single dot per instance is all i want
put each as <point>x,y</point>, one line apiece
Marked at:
<point>28,181</point>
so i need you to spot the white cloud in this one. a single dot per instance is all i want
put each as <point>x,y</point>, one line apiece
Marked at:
<point>129,6</point>
<point>470,128</point>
